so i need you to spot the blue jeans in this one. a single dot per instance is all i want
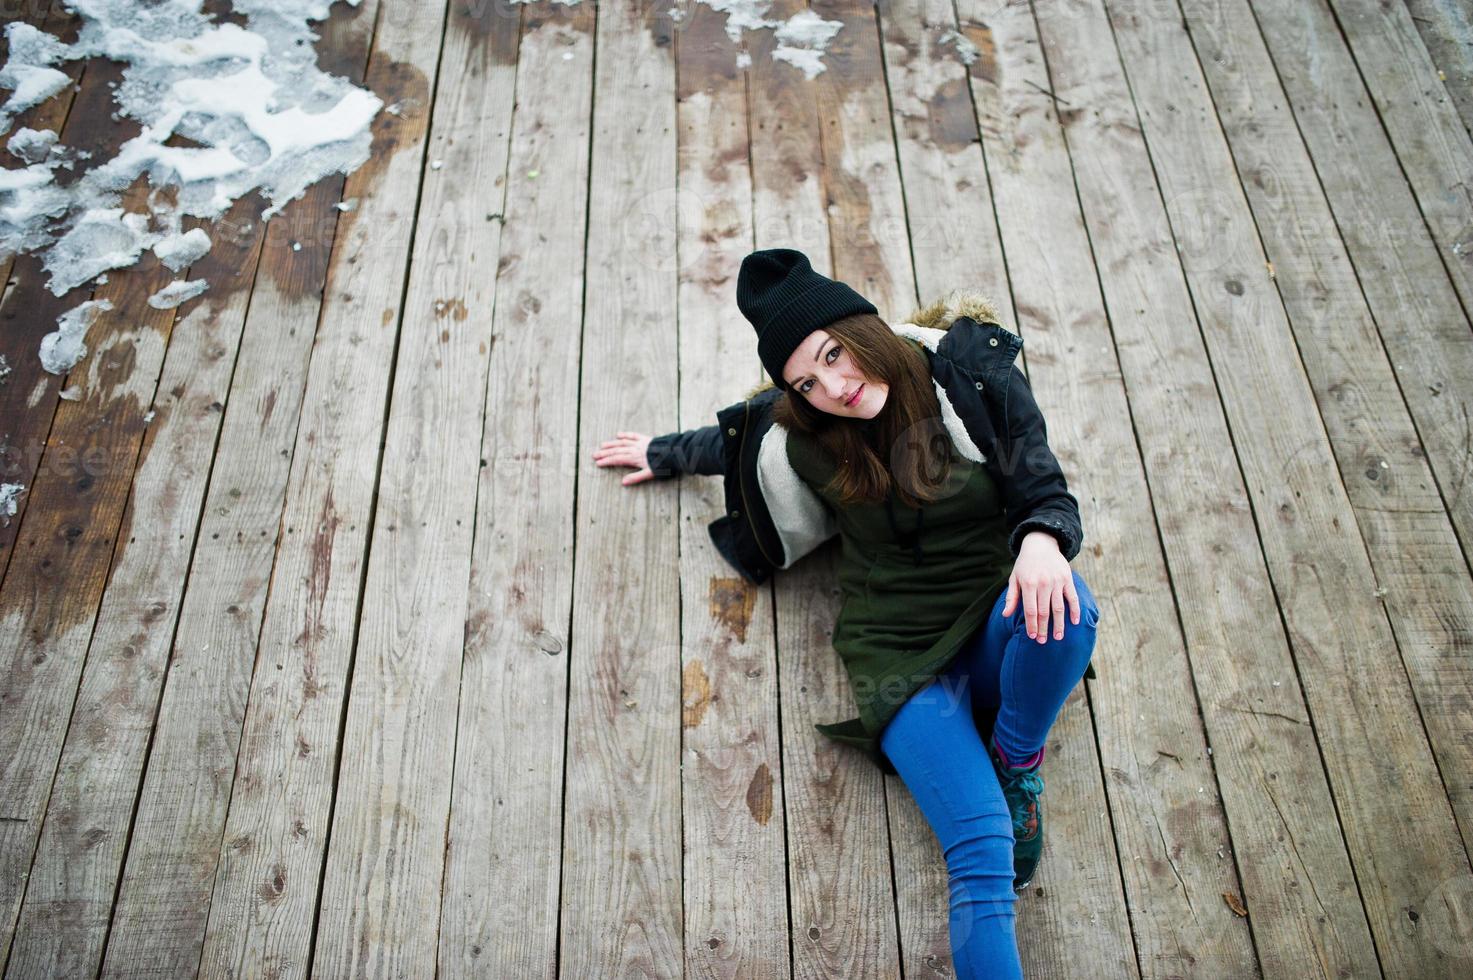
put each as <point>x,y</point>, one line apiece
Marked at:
<point>936,748</point>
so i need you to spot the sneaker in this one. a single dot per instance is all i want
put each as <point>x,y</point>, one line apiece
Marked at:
<point>1022,787</point>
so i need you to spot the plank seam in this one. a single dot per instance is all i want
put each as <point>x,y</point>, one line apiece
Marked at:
<point>557,957</point>
<point>1395,149</point>
<point>393,362</point>
<point>771,585</point>
<point>511,130</point>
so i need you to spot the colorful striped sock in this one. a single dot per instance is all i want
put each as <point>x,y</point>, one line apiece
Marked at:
<point>1028,763</point>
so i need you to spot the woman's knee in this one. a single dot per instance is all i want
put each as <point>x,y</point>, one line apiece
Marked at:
<point>1089,610</point>
<point>1078,638</point>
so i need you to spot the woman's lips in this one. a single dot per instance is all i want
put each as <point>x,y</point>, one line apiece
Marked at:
<point>855,400</point>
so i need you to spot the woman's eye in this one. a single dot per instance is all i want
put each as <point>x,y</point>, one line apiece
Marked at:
<point>830,358</point>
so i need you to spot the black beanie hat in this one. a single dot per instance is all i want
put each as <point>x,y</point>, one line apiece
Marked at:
<point>778,291</point>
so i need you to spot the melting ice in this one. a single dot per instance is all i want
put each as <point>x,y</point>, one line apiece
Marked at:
<point>253,105</point>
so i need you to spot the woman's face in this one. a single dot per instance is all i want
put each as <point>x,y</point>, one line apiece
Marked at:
<point>822,371</point>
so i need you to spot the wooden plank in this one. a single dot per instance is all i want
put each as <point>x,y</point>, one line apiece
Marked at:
<point>1393,811</point>
<point>500,893</point>
<point>85,833</point>
<point>1431,142</point>
<point>621,899</point>
<point>70,537</point>
<point>1244,675</point>
<point>385,865</point>
<point>735,824</point>
<point>841,900</point>
<point>866,209</point>
<point>32,11</point>
<point>948,200</point>
<point>499,916</point>
<point>1446,27</point>
<point>23,422</point>
<point>85,453</point>
<point>160,922</point>
<point>1409,539</point>
<point>51,17</point>
<point>1069,923</point>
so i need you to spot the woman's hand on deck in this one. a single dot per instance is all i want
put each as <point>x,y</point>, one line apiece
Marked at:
<point>627,449</point>
<point>1041,577</point>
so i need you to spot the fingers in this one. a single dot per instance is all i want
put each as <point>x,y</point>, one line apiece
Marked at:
<point>1058,609</point>
<point>1044,600</point>
<point>1030,611</point>
<point>623,439</point>
<point>609,457</point>
<point>623,451</point>
<point>1042,605</point>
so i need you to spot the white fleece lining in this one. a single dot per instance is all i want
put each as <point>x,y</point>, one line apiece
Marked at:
<point>929,337</point>
<point>802,521</point>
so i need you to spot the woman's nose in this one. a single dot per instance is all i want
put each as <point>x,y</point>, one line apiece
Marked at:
<point>834,386</point>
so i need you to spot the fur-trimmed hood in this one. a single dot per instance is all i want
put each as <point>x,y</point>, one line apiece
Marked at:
<point>958,303</point>
<point>940,314</point>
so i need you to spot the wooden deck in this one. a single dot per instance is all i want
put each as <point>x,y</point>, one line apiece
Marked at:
<point>351,662</point>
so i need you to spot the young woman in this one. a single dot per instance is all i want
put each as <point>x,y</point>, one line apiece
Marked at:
<point>962,627</point>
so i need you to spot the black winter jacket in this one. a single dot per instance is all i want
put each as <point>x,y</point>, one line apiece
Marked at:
<point>773,519</point>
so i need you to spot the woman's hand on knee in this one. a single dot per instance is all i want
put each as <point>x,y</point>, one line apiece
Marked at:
<point>1042,579</point>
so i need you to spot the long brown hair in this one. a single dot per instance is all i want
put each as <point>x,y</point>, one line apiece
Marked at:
<point>904,447</point>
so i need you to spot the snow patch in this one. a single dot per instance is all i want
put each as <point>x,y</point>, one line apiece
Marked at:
<point>8,494</point>
<point>256,111</point>
<point>801,39</point>
<point>177,292</point>
<point>178,251</point>
<point>965,49</point>
<point>101,239</point>
<point>63,348</point>
<point>32,145</point>
<point>28,72</point>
